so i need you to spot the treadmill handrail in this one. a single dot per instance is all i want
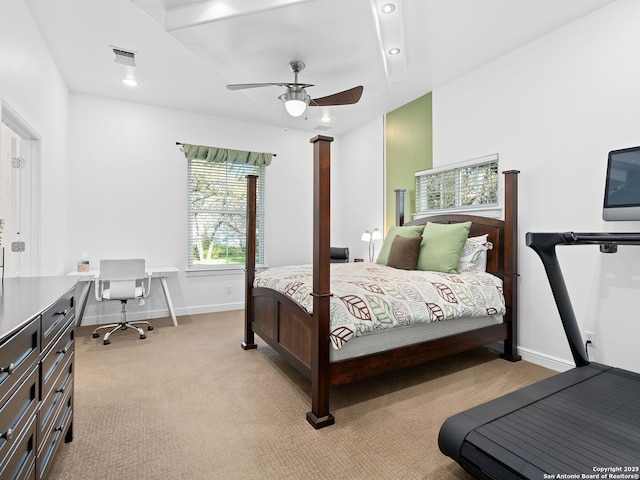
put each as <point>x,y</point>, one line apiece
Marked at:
<point>602,238</point>
<point>544,244</point>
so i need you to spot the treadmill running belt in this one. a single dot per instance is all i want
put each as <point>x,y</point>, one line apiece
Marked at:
<point>586,430</point>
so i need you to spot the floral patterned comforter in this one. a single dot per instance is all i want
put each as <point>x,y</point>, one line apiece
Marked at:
<point>369,297</point>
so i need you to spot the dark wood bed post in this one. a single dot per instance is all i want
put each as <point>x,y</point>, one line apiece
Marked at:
<point>319,415</point>
<point>511,262</point>
<point>250,262</point>
<point>399,206</point>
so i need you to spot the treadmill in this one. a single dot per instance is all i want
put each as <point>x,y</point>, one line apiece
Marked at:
<point>582,423</point>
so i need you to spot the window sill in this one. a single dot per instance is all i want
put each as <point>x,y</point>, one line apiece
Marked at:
<point>219,271</point>
<point>491,211</point>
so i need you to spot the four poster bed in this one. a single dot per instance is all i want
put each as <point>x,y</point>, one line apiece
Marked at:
<point>295,319</point>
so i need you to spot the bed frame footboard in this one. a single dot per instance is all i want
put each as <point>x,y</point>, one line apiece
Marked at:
<point>284,326</point>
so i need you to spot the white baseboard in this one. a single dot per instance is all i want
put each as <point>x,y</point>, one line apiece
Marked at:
<point>544,360</point>
<point>220,307</point>
<point>149,315</point>
<point>115,317</point>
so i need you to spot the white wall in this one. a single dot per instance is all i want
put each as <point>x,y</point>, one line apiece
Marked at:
<point>129,195</point>
<point>360,185</point>
<point>31,85</point>
<point>554,109</point>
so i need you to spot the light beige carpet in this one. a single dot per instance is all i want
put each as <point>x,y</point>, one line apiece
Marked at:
<point>188,403</point>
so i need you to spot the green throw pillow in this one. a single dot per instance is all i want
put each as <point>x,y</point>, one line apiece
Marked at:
<point>442,245</point>
<point>409,232</point>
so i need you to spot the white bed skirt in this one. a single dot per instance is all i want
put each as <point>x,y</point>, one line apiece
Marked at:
<point>402,336</point>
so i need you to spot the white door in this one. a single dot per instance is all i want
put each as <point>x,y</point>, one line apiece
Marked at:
<point>18,188</point>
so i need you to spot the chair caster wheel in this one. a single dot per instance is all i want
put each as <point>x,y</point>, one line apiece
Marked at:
<point>143,336</point>
<point>150,327</point>
<point>106,342</point>
<point>95,335</point>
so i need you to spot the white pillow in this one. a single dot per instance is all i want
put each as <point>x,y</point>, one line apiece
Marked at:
<point>474,255</point>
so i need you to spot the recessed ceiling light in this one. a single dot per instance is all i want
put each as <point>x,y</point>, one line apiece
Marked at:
<point>394,51</point>
<point>388,8</point>
<point>325,118</point>
<point>130,82</point>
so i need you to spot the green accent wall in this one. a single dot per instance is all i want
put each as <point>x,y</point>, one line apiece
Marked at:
<point>409,148</point>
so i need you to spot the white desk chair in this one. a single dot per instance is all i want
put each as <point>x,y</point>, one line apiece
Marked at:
<point>122,280</point>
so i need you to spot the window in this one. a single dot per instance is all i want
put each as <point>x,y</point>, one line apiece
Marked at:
<point>469,186</point>
<point>218,215</point>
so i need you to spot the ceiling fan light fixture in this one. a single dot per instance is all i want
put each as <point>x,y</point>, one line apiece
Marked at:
<point>295,97</point>
<point>388,8</point>
<point>295,102</point>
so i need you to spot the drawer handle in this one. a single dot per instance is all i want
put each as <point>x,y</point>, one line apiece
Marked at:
<point>63,351</point>
<point>8,369</point>
<point>60,390</point>
<point>7,435</point>
<point>63,313</point>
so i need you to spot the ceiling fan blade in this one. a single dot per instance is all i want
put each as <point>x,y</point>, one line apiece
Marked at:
<point>346,97</point>
<point>240,86</point>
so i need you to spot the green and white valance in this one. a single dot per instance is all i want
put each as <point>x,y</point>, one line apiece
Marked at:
<point>226,155</point>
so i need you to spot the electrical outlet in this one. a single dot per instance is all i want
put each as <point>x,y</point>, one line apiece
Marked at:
<point>590,337</point>
<point>228,289</point>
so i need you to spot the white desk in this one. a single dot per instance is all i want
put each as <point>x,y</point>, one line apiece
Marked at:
<point>156,272</point>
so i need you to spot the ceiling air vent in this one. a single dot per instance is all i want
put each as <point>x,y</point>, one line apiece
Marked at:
<point>125,57</point>
<point>322,128</point>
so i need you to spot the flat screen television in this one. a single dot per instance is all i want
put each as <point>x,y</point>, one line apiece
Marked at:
<point>622,188</point>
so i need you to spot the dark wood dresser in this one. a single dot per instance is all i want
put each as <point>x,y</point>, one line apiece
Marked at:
<point>37,321</point>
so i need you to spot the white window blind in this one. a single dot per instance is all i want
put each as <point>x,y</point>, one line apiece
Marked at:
<point>469,186</point>
<point>218,215</point>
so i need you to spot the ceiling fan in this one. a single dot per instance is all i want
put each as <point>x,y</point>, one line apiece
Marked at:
<point>296,98</point>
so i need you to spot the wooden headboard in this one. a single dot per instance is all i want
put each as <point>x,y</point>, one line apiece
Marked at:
<point>493,227</point>
<point>502,258</point>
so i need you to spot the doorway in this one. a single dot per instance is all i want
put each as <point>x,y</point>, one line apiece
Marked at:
<point>19,181</point>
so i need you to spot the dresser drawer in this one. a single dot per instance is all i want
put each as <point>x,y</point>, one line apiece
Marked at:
<point>51,404</point>
<point>52,441</point>
<point>19,464</point>
<point>55,318</point>
<point>28,473</point>
<point>55,359</point>
<point>16,413</point>
<point>18,355</point>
